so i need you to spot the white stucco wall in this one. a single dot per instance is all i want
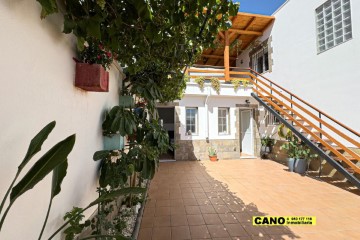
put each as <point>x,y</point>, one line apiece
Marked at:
<point>330,80</point>
<point>208,114</point>
<point>37,74</point>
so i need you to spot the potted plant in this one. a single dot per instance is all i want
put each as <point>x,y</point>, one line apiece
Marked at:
<point>266,145</point>
<point>303,156</point>
<point>91,74</point>
<point>290,146</point>
<point>212,154</point>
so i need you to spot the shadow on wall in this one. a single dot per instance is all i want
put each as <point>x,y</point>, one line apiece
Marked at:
<point>184,149</point>
<point>187,186</point>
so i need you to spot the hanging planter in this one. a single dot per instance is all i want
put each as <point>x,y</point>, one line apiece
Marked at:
<point>113,142</point>
<point>91,77</point>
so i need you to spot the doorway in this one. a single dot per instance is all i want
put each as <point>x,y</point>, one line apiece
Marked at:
<point>167,118</point>
<point>246,133</point>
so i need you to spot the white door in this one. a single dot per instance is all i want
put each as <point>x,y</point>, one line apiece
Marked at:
<point>246,132</point>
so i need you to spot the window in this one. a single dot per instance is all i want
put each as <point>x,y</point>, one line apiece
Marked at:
<point>191,121</point>
<point>270,119</point>
<point>333,23</point>
<point>260,60</point>
<point>223,120</point>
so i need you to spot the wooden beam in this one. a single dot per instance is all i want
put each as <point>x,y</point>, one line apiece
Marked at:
<point>216,56</point>
<point>249,24</point>
<point>227,56</point>
<point>245,32</point>
<point>222,35</point>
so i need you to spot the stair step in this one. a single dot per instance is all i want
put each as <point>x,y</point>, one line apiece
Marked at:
<point>350,170</point>
<point>350,158</point>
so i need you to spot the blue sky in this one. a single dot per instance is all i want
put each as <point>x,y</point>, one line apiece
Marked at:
<point>266,7</point>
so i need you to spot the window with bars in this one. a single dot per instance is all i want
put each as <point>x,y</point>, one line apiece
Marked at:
<point>260,60</point>
<point>333,22</point>
<point>270,119</point>
<point>191,121</point>
<point>223,120</point>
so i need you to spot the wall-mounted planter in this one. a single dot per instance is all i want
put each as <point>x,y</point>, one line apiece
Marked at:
<point>115,142</point>
<point>91,77</point>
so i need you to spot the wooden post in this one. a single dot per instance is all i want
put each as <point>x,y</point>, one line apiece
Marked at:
<point>227,56</point>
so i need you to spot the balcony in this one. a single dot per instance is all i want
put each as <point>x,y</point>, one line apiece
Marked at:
<point>238,84</point>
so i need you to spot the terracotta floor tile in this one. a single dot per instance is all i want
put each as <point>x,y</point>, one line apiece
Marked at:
<point>179,210</point>
<point>180,233</point>
<point>192,210</point>
<point>217,231</point>
<point>162,233</point>
<point>200,232</point>
<point>162,211</point>
<point>241,189</point>
<point>221,208</point>
<point>163,203</point>
<point>147,222</point>
<point>162,221</point>
<point>236,230</point>
<point>228,218</point>
<point>179,220</point>
<point>203,201</point>
<point>212,219</point>
<point>190,202</point>
<point>195,220</point>
<point>207,209</point>
<point>148,212</point>
<point>145,234</point>
<point>176,202</point>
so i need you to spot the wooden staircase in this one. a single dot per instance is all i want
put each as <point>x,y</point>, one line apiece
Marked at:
<point>322,133</point>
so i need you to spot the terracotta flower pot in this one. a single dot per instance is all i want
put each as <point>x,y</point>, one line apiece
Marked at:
<point>91,77</point>
<point>213,158</point>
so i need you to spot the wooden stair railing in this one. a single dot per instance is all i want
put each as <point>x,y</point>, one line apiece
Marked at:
<point>292,110</point>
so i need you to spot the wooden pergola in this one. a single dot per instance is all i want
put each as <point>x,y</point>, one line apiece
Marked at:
<point>245,29</point>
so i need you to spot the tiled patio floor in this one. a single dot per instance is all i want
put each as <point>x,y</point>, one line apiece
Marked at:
<point>216,200</point>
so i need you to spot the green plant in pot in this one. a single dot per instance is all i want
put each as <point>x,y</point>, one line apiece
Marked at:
<point>212,154</point>
<point>303,156</point>
<point>266,145</point>
<point>290,146</point>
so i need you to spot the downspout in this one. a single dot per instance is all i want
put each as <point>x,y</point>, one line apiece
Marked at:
<point>207,114</point>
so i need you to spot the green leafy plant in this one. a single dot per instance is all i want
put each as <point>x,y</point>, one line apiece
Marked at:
<point>215,84</point>
<point>201,82</point>
<point>94,52</point>
<point>236,83</point>
<point>212,151</point>
<point>291,147</point>
<point>304,152</point>
<point>53,160</point>
<point>267,141</point>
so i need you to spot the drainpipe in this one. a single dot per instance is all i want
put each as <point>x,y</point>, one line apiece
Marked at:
<point>207,114</point>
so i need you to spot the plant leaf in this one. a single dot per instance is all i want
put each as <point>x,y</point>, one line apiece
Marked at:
<point>48,7</point>
<point>59,174</point>
<point>99,155</point>
<point>55,156</point>
<point>36,143</point>
<point>114,194</point>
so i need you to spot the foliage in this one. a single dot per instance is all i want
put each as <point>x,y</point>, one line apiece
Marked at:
<point>53,160</point>
<point>238,82</point>
<point>201,82</point>
<point>291,147</point>
<point>285,133</point>
<point>212,151</point>
<point>267,141</point>
<point>215,84</point>
<point>304,152</point>
<point>152,37</point>
<point>95,53</point>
